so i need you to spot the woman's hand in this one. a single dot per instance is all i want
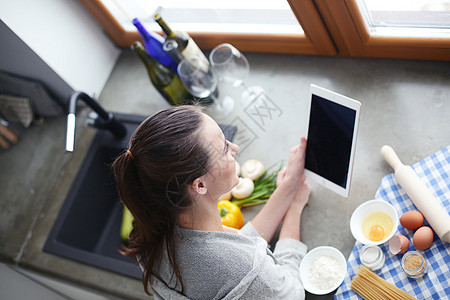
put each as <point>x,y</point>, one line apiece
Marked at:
<point>302,196</point>
<point>293,175</point>
<point>289,181</point>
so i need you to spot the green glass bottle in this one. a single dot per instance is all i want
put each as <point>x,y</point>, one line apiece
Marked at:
<point>164,79</point>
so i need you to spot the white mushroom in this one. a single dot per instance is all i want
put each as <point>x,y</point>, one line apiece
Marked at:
<point>226,196</point>
<point>243,189</point>
<point>252,169</point>
<point>238,169</point>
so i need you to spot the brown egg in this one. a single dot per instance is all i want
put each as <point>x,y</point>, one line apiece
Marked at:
<point>398,244</point>
<point>411,219</point>
<point>423,238</point>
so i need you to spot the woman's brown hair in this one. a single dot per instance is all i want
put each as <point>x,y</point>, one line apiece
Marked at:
<point>167,156</point>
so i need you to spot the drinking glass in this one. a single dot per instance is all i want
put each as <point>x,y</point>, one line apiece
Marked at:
<point>201,81</point>
<point>232,66</point>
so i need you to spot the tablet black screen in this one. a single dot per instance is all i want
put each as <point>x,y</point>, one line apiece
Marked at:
<point>330,135</point>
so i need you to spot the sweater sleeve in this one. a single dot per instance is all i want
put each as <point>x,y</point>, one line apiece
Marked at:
<point>289,253</point>
<point>249,230</point>
<point>278,273</point>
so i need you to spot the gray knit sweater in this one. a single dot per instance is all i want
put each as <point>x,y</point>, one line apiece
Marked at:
<point>218,265</point>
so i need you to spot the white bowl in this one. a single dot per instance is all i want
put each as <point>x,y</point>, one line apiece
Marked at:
<point>365,209</point>
<point>305,268</point>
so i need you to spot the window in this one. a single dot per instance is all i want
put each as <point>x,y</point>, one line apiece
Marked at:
<point>405,18</point>
<point>273,17</point>
<point>355,31</point>
<point>418,29</point>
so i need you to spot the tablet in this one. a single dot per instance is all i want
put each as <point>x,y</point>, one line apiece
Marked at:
<point>332,128</point>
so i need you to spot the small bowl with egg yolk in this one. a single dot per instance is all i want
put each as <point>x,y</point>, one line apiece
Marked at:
<point>374,222</point>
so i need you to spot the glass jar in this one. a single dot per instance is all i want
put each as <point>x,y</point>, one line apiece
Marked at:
<point>414,264</point>
<point>372,257</point>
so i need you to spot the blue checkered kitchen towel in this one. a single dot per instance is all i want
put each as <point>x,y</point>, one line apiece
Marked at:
<point>434,171</point>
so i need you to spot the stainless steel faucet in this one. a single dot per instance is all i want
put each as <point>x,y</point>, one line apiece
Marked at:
<point>103,119</point>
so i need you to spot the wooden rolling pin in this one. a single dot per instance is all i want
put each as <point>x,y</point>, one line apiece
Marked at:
<point>436,215</point>
<point>4,144</point>
<point>8,133</point>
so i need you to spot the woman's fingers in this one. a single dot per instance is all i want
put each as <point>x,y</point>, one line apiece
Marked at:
<point>296,162</point>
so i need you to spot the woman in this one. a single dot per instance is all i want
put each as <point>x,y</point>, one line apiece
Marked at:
<point>177,166</point>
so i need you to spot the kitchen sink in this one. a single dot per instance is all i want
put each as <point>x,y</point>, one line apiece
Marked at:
<point>87,228</point>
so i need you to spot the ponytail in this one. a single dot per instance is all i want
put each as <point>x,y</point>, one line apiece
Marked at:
<point>153,177</point>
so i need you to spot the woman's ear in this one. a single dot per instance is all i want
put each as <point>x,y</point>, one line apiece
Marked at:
<point>199,187</point>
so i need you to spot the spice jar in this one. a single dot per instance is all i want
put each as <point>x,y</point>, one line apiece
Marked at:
<point>414,264</point>
<point>372,257</point>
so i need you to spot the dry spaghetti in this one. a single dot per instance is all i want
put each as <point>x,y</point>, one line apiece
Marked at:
<point>372,287</point>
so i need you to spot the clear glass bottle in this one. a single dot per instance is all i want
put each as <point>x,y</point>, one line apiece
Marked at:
<point>372,257</point>
<point>414,264</point>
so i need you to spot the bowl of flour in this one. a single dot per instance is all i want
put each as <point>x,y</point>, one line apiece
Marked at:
<point>322,270</point>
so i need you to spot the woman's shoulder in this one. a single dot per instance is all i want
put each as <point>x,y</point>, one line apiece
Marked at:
<point>230,250</point>
<point>217,261</point>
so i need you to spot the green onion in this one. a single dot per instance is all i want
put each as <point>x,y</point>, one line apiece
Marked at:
<point>265,185</point>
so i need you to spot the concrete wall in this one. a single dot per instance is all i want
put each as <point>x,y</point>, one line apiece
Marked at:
<point>18,59</point>
<point>56,42</point>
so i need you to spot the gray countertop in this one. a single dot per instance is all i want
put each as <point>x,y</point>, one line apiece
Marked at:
<point>405,104</point>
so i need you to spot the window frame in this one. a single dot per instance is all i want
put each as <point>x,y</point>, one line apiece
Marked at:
<point>332,28</point>
<point>321,44</point>
<point>352,37</point>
